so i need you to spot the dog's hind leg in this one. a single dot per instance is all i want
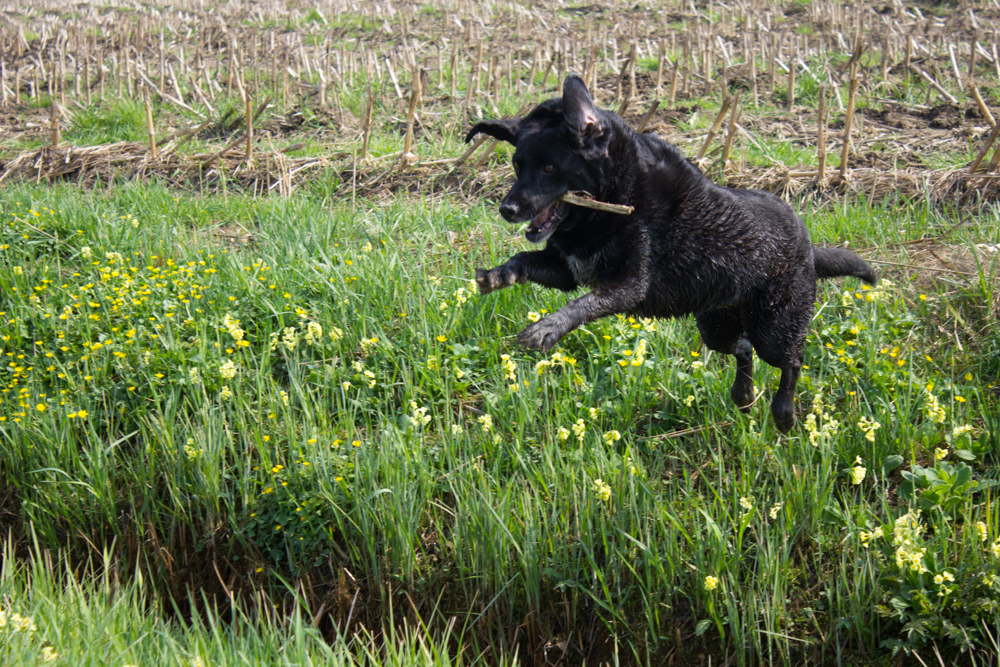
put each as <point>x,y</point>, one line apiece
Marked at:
<point>778,335</point>
<point>722,331</point>
<point>742,389</point>
<point>783,404</point>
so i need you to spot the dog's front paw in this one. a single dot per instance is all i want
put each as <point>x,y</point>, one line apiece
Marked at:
<point>545,333</point>
<point>497,278</point>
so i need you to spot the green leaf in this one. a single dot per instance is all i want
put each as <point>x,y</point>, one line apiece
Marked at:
<point>890,463</point>
<point>964,475</point>
<point>703,625</point>
<point>965,455</point>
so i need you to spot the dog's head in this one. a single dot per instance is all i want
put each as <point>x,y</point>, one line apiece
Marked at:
<point>559,147</point>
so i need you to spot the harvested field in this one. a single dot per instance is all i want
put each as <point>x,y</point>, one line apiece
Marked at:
<point>303,70</point>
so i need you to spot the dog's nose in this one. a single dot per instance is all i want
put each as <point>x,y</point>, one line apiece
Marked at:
<point>509,211</point>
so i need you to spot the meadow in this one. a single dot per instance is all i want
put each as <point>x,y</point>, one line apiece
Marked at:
<point>283,428</point>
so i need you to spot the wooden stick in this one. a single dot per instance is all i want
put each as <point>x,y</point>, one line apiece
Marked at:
<point>649,114</point>
<point>675,72</point>
<point>733,117</point>
<point>791,77</point>
<point>149,124</point>
<point>821,131</point>
<point>933,84</point>
<point>715,128</point>
<point>621,76</point>
<point>985,149</point>
<point>983,109</point>
<point>54,123</point>
<point>366,121</point>
<point>410,115</point>
<point>846,151</point>
<point>585,200</point>
<point>249,115</point>
<point>659,68</point>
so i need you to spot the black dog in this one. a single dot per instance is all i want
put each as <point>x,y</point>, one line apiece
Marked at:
<point>739,260</point>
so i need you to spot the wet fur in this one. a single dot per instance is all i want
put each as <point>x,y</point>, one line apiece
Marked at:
<point>740,261</point>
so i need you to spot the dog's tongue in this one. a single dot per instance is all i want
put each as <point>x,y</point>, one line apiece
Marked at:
<point>540,221</point>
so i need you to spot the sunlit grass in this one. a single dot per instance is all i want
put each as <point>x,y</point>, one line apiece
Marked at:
<point>335,395</point>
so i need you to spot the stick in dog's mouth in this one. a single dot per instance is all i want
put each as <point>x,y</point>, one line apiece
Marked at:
<point>544,224</point>
<point>586,200</point>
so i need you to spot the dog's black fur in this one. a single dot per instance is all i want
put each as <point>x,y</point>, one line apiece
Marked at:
<point>740,261</point>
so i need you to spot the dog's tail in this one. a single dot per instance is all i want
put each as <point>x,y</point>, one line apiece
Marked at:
<point>834,262</point>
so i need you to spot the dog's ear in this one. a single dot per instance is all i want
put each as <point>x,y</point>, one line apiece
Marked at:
<point>579,110</point>
<point>504,130</point>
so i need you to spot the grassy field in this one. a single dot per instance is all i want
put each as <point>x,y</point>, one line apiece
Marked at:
<point>330,419</point>
<point>242,429</point>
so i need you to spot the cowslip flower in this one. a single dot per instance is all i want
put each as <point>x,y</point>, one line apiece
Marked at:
<point>959,431</point>
<point>982,531</point>
<point>933,409</point>
<point>858,472</point>
<point>314,333</point>
<point>602,490</point>
<point>228,370</point>
<point>867,538</point>
<point>486,422</point>
<point>612,437</point>
<point>509,368</point>
<point>868,427</point>
<point>711,583</point>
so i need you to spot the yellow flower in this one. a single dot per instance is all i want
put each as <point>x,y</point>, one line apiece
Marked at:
<point>982,530</point>
<point>711,583</point>
<point>40,407</point>
<point>49,654</point>
<point>442,338</point>
<point>602,490</point>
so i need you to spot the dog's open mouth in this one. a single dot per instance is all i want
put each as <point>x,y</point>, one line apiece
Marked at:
<point>544,224</point>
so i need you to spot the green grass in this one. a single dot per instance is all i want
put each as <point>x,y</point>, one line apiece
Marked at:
<point>316,402</point>
<point>54,614</point>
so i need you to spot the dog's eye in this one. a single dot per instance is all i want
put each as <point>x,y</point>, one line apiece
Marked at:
<point>548,168</point>
<point>517,170</point>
